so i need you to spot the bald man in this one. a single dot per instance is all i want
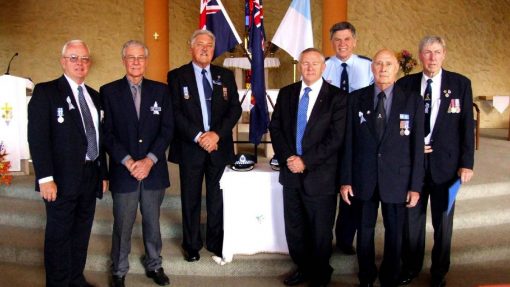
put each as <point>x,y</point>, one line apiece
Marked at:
<point>382,164</point>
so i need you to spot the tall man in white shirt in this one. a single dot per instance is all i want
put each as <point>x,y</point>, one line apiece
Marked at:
<point>349,72</point>
<point>64,136</point>
<point>449,155</point>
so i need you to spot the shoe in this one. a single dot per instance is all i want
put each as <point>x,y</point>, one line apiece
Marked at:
<point>158,276</point>
<point>437,282</point>
<point>366,285</point>
<point>295,278</point>
<point>191,256</point>
<point>405,279</point>
<point>118,281</point>
<point>347,249</point>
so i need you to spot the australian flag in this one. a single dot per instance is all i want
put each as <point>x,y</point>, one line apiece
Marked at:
<point>214,18</point>
<point>259,116</point>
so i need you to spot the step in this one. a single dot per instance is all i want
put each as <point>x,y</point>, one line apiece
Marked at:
<point>32,214</point>
<point>25,246</point>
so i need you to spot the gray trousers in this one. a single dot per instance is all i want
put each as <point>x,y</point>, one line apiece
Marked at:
<point>125,207</point>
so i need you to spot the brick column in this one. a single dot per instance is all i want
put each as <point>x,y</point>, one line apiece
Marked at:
<point>333,11</point>
<point>156,38</point>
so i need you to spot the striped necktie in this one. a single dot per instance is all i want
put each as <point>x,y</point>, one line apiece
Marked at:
<point>90,130</point>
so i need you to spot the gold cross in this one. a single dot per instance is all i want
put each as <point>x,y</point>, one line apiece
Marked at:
<point>155,35</point>
<point>7,115</point>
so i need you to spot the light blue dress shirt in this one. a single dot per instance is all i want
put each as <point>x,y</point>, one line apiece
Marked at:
<point>198,77</point>
<point>358,69</point>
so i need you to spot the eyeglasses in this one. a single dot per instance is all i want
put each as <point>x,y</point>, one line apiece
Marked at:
<point>132,59</point>
<point>74,58</point>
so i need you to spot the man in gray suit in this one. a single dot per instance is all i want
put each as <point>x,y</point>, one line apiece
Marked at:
<point>138,128</point>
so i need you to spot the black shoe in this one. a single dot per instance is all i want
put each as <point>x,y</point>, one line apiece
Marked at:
<point>406,278</point>
<point>347,249</point>
<point>191,256</point>
<point>118,281</point>
<point>158,276</point>
<point>295,278</point>
<point>437,282</point>
<point>366,285</point>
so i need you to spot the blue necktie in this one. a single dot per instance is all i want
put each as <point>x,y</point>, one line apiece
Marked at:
<point>90,130</point>
<point>427,99</point>
<point>207,94</point>
<point>344,79</point>
<point>302,120</point>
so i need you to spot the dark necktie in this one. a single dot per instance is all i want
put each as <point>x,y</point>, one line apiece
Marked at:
<point>380,112</point>
<point>137,99</point>
<point>90,130</point>
<point>344,79</point>
<point>207,94</point>
<point>302,120</point>
<point>427,99</point>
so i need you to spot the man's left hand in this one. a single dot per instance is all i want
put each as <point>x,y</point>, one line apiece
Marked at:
<point>412,198</point>
<point>465,174</point>
<point>141,168</point>
<point>296,164</point>
<point>209,141</point>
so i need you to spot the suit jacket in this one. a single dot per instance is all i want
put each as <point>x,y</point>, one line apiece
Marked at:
<point>395,165</point>
<point>58,149</point>
<point>226,111</point>
<point>452,138</point>
<point>125,134</point>
<point>323,136</point>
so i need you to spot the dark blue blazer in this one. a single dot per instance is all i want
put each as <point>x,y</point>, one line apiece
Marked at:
<point>58,149</point>
<point>125,134</point>
<point>323,137</point>
<point>226,111</point>
<point>395,165</point>
<point>452,138</point>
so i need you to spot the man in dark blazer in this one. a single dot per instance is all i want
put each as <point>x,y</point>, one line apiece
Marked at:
<point>206,108</point>
<point>449,155</point>
<point>64,135</point>
<point>138,128</point>
<point>382,163</point>
<point>307,130</point>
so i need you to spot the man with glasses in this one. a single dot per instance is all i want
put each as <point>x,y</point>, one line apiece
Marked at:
<point>64,136</point>
<point>138,127</point>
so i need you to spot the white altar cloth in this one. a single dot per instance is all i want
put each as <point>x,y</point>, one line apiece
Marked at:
<point>253,212</point>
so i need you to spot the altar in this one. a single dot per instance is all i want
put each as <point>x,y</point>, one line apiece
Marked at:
<point>253,212</point>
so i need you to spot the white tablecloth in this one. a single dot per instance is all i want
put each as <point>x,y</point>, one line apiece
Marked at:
<point>253,212</point>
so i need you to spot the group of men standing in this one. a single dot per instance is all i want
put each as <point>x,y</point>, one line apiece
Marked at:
<point>347,127</point>
<point>134,120</point>
<point>350,127</point>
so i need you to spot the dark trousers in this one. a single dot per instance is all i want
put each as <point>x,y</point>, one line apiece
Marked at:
<point>415,231</point>
<point>191,176</point>
<point>309,223</point>
<point>68,225</point>
<point>125,206</point>
<point>393,218</point>
<point>347,222</point>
